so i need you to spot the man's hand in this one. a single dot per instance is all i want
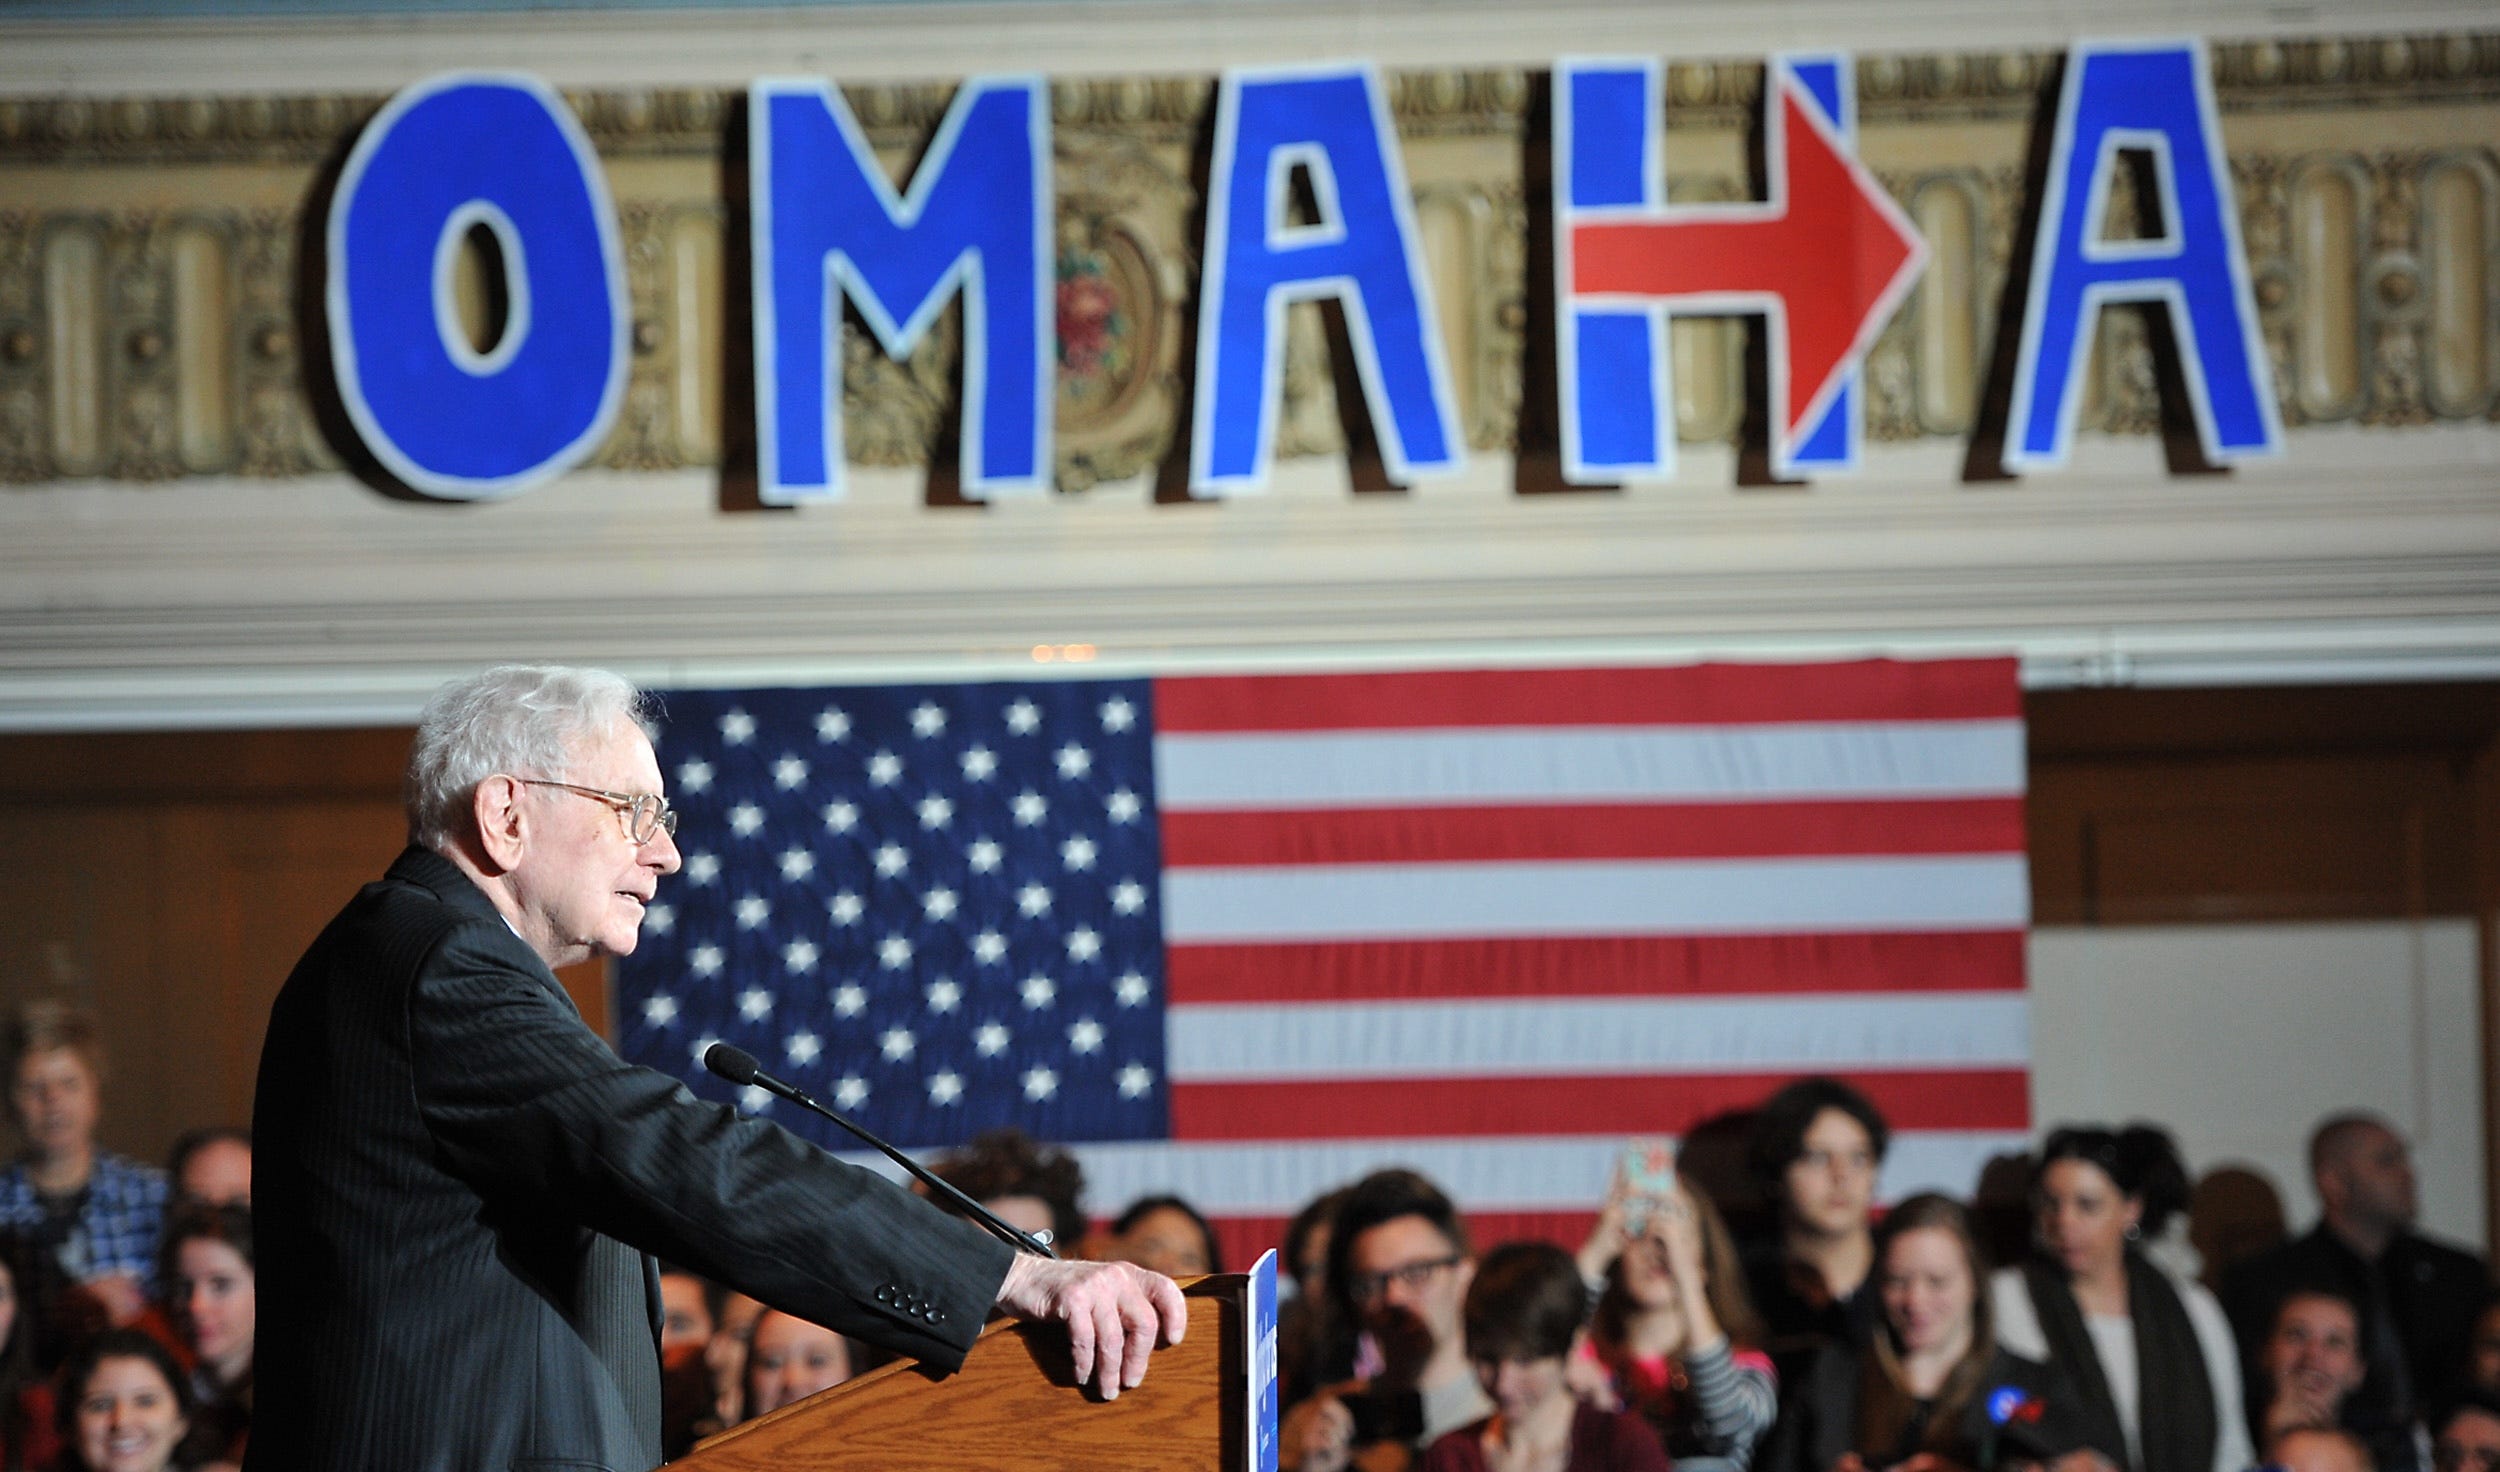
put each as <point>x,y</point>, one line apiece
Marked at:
<point>1114,1312</point>
<point>1317,1435</point>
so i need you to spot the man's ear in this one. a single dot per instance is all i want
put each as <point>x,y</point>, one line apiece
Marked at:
<point>502,826</point>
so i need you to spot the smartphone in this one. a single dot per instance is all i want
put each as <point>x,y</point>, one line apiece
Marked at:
<point>1644,1180</point>
<point>1381,1416</point>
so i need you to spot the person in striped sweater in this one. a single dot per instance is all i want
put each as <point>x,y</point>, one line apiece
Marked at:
<point>1675,1337</point>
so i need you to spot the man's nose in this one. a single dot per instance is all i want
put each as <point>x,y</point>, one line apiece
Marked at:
<point>661,852</point>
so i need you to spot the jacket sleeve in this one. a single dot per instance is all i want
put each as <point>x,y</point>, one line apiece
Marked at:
<point>536,1111</point>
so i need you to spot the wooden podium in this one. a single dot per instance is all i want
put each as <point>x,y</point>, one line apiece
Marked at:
<point>1208,1404</point>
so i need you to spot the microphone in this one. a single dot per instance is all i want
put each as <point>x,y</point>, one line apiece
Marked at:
<point>739,1067</point>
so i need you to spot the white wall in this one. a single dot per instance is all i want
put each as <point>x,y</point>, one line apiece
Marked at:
<point>2241,1036</point>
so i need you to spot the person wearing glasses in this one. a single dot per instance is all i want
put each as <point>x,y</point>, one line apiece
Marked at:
<point>460,1186</point>
<point>1398,1266</point>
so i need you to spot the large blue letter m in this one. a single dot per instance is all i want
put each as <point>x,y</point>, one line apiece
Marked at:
<point>829,226</point>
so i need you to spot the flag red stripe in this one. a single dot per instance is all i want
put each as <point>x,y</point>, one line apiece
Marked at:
<point>1242,1238</point>
<point>1707,694</point>
<point>1594,966</point>
<point>1611,831</point>
<point>1345,1109</point>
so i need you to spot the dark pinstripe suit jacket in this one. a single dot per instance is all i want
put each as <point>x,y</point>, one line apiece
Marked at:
<point>456,1183</point>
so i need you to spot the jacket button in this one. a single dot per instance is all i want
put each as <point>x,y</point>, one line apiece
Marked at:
<point>885,1295</point>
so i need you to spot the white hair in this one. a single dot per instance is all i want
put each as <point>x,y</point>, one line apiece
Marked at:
<point>528,720</point>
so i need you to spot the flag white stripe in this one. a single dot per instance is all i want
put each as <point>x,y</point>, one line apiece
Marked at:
<point>1533,1173</point>
<point>1786,762</point>
<point>1595,1036</point>
<point>1339,902</point>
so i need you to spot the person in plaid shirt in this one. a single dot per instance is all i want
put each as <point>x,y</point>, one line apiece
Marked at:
<point>90,1219</point>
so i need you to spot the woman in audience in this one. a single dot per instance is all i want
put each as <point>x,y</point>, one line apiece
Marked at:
<point>1525,1315</point>
<point>125,1405</point>
<point>1675,1339</point>
<point>791,1359</point>
<point>27,1435</point>
<point>1927,1388</point>
<point>1168,1235</point>
<point>2151,1359</point>
<point>1816,1148</point>
<point>210,1284</point>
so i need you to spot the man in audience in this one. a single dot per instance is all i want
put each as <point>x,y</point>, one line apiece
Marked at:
<point>213,1165</point>
<point>2417,1298</point>
<point>2468,1436</point>
<point>1035,1188</point>
<point>89,1219</point>
<point>1398,1265</point>
<point>1817,1149</point>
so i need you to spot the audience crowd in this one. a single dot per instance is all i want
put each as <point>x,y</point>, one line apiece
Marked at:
<point>1775,1320</point>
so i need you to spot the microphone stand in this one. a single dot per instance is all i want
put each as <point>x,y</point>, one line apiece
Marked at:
<point>739,1067</point>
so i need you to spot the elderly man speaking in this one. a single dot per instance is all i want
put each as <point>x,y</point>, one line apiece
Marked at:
<point>459,1183</point>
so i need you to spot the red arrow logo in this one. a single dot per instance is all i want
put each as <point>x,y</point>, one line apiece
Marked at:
<point>1828,257</point>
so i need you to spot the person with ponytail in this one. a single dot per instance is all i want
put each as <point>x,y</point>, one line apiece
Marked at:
<point>1927,1388</point>
<point>2150,1356</point>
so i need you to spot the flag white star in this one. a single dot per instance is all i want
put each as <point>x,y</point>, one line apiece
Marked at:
<point>1024,717</point>
<point>1083,944</point>
<point>944,995</point>
<point>755,1004</point>
<point>989,947</point>
<point>1040,1083</point>
<point>753,910</point>
<point>1135,1081</point>
<point>990,1039</point>
<point>844,907</point>
<point>1127,897</point>
<point>980,763</point>
<point>936,812</point>
<point>945,1086</point>
<point>938,904</point>
<point>832,724</point>
<point>799,956</point>
<point>660,1010</point>
<point>1123,806</point>
<point>849,1000</point>
<point>892,860</point>
<point>736,727</point>
<point>1074,761</point>
<point>841,817</point>
<point>985,856</point>
<point>789,773</point>
<point>755,1099</point>
<point>801,1048</point>
<point>1039,991</point>
<point>704,960</point>
<point>1033,901</point>
<point>659,919</point>
<point>896,1044</point>
<point>1131,989</point>
<point>894,952</point>
<point>797,864</point>
<point>927,719</point>
<point>1118,714</point>
<point>1029,809</point>
<point>884,769</point>
<point>1077,854</point>
<point>746,820</point>
<point>1085,1036</point>
<point>695,776</point>
<point>851,1093</point>
<point>701,869</point>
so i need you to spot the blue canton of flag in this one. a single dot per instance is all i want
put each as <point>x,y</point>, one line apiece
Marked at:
<point>934,907</point>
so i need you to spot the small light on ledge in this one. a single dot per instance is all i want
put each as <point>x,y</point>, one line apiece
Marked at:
<point>1063,653</point>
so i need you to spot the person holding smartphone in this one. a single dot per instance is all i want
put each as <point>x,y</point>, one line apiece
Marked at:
<point>1675,1338</point>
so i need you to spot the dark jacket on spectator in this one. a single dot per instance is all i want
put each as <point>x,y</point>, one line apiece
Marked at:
<point>1799,1316</point>
<point>2022,1412</point>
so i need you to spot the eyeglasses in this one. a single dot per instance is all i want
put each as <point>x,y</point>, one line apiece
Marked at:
<point>1366,1287</point>
<point>647,815</point>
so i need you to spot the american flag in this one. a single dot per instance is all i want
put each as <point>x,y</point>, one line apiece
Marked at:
<point>1246,938</point>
